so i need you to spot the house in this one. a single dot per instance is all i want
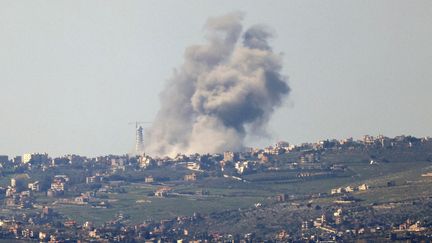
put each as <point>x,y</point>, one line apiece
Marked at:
<point>193,166</point>
<point>338,216</point>
<point>416,227</point>
<point>42,236</point>
<point>10,191</point>
<point>339,190</point>
<point>93,234</point>
<point>190,177</point>
<point>94,179</point>
<point>408,225</point>
<point>46,211</point>
<point>308,158</point>
<point>162,192</point>
<point>244,166</point>
<point>146,161</point>
<point>363,187</point>
<point>58,185</point>
<point>149,179</point>
<point>81,200</point>
<point>429,174</point>
<point>318,222</point>
<point>231,156</point>
<point>264,158</point>
<point>349,189</point>
<point>282,235</point>
<point>34,186</point>
<point>281,197</point>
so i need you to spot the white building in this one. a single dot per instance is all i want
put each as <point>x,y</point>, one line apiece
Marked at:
<point>34,186</point>
<point>35,157</point>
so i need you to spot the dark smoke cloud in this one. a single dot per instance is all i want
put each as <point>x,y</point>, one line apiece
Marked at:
<point>256,37</point>
<point>224,90</point>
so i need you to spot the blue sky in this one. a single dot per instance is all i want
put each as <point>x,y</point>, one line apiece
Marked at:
<point>73,74</point>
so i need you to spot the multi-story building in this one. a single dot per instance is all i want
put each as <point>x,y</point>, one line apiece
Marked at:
<point>368,140</point>
<point>190,177</point>
<point>58,185</point>
<point>145,161</point>
<point>34,186</point>
<point>231,156</point>
<point>149,179</point>
<point>94,179</point>
<point>193,166</point>
<point>35,158</point>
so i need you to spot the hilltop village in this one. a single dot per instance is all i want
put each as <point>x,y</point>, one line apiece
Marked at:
<point>331,190</point>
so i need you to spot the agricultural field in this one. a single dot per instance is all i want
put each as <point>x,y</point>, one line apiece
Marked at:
<point>228,194</point>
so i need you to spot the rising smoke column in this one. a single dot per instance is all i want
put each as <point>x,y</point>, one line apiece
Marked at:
<point>224,90</point>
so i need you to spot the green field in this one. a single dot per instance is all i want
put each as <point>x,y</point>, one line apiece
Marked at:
<point>228,194</point>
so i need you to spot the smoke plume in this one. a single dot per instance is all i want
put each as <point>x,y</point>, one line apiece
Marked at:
<point>224,90</point>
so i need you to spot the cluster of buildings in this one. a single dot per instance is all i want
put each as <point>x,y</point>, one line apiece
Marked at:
<point>58,186</point>
<point>353,222</point>
<point>75,179</point>
<point>20,192</point>
<point>348,189</point>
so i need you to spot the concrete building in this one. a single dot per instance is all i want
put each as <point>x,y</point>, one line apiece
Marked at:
<point>162,192</point>
<point>231,156</point>
<point>149,179</point>
<point>34,186</point>
<point>58,185</point>
<point>363,187</point>
<point>35,158</point>
<point>145,161</point>
<point>18,182</point>
<point>190,177</point>
<point>349,189</point>
<point>193,166</point>
<point>368,140</point>
<point>13,182</point>
<point>94,179</point>
<point>281,197</point>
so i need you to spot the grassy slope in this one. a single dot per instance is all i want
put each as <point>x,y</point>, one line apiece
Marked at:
<point>227,194</point>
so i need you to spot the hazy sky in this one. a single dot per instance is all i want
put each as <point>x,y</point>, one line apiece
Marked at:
<point>73,74</point>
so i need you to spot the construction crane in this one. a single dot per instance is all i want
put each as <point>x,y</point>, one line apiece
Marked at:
<point>139,139</point>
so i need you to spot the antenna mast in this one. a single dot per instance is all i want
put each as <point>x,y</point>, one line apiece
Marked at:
<point>139,136</point>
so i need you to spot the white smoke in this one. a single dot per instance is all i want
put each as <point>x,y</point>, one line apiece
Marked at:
<point>224,90</point>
